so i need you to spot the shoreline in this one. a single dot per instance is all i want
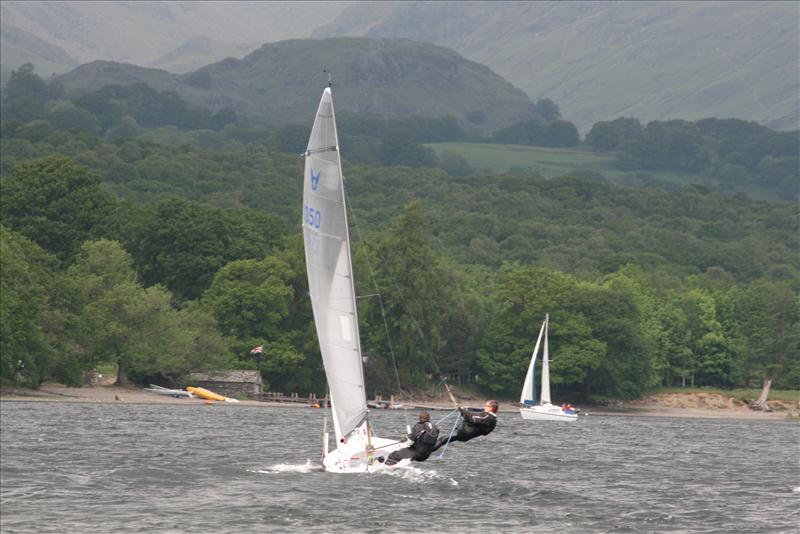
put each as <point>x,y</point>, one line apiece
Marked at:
<point>654,406</point>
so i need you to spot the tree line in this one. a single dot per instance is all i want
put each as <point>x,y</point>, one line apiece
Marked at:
<point>735,151</point>
<point>739,155</point>
<point>117,111</point>
<point>89,278</point>
<point>165,258</point>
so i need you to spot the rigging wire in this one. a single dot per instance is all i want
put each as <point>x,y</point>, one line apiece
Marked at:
<point>402,300</point>
<point>377,289</point>
<point>414,321</point>
<point>377,293</point>
<point>380,299</point>
<point>452,430</point>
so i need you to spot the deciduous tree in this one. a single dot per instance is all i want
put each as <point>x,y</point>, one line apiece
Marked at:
<point>56,203</point>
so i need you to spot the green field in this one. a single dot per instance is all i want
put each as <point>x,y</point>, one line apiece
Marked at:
<point>552,162</point>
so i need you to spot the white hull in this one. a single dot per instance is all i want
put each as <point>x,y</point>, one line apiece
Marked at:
<point>356,460</point>
<point>546,412</point>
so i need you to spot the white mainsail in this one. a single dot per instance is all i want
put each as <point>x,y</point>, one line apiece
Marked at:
<point>545,399</point>
<point>332,292</point>
<point>330,273</point>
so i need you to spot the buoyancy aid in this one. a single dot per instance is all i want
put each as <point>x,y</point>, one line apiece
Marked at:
<point>429,435</point>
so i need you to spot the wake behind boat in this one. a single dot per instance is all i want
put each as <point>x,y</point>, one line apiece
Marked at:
<point>332,293</point>
<point>545,410</point>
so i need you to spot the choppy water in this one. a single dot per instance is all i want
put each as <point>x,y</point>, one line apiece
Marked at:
<point>197,468</point>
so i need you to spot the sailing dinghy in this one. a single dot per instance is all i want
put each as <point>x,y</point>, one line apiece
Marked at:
<point>170,392</point>
<point>332,292</point>
<point>544,410</point>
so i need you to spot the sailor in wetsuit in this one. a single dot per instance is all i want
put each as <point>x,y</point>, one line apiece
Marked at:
<point>475,424</point>
<point>423,435</point>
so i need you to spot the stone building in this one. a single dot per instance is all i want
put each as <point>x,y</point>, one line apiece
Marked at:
<point>235,383</point>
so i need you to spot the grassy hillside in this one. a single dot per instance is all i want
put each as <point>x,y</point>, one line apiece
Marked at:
<point>602,60</point>
<point>384,77</point>
<point>548,162</point>
<point>553,162</point>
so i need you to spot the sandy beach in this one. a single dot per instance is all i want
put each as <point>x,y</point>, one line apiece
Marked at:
<point>705,405</point>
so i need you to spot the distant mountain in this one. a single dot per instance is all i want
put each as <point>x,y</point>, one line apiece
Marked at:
<point>198,52</point>
<point>20,47</point>
<point>602,60</point>
<point>175,35</point>
<point>596,60</point>
<point>387,77</point>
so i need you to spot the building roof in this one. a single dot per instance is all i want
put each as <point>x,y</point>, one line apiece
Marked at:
<point>231,375</point>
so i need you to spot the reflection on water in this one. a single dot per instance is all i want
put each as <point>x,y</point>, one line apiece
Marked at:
<point>175,468</point>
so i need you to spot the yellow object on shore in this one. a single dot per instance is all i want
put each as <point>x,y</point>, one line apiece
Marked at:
<point>206,394</point>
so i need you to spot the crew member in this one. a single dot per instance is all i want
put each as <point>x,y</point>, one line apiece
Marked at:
<point>423,435</point>
<point>475,424</point>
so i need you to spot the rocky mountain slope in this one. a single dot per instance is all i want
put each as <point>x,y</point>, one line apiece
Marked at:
<point>602,60</point>
<point>387,77</point>
<point>596,60</point>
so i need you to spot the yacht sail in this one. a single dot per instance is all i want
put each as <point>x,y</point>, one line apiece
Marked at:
<point>330,273</point>
<point>332,292</point>
<point>528,395</point>
<point>544,409</point>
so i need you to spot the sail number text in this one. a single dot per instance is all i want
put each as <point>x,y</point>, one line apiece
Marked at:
<point>312,217</point>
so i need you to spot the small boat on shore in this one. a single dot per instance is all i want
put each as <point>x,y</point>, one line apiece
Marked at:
<point>169,392</point>
<point>208,395</point>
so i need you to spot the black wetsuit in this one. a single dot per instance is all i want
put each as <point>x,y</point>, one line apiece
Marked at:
<point>475,424</point>
<point>424,437</point>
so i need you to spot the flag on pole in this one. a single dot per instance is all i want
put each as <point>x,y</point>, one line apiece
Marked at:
<point>258,350</point>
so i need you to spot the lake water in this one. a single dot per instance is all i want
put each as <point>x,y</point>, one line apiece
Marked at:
<point>68,467</point>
